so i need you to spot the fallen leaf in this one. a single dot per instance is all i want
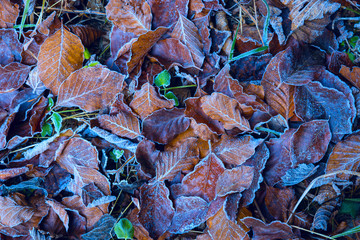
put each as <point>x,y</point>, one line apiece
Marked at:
<point>122,124</point>
<point>10,47</point>
<point>8,14</point>
<point>59,56</point>
<point>165,12</point>
<point>130,16</point>
<point>91,88</point>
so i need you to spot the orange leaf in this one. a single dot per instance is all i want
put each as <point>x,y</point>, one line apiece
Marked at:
<point>147,101</point>
<point>122,124</point>
<point>8,13</point>
<point>130,16</point>
<point>226,110</point>
<point>91,88</point>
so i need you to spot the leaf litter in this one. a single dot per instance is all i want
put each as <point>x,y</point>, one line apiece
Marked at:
<point>186,119</point>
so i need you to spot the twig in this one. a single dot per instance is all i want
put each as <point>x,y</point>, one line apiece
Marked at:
<point>75,11</point>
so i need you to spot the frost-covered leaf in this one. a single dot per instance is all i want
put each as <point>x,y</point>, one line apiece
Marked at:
<point>147,101</point>
<point>130,16</point>
<point>101,230</point>
<point>188,34</point>
<point>13,76</point>
<point>166,12</point>
<point>14,211</point>
<point>59,56</point>
<point>156,210</point>
<point>298,174</point>
<point>236,150</point>
<point>59,209</point>
<point>164,125</point>
<point>8,13</point>
<point>226,110</point>
<point>91,88</point>
<point>345,155</point>
<point>122,124</point>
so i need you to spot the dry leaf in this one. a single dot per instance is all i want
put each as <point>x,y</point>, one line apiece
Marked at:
<point>13,76</point>
<point>122,124</point>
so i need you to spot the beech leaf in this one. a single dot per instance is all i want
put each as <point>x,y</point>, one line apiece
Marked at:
<point>122,124</point>
<point>13,76</point>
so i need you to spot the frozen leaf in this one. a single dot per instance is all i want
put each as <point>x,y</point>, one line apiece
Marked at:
<point>14,211</point>
<point>8,13</point>
<point>278,201</point>
<point>10,47</point>
<point>172,162</point>
<point>77,152</point>
<point>13,76</point>
<point>188,34</point>
<point>87,34</point>
<point>345,155</point>
<point>8,173</point>
<point>102,229</point>
<point>122,124</point>
<point>91,88</point>
<point>352,75</point>
<point>147,101</point>
<point>296,175</point>
<point>221,227</point>
<point>271,231</point>
<point>130,16</point>
<point>236,150</point>
<point>326,98</point>
<point>226,110</point>
<point>190,213</point>
<point>172,52</point>
<point>301,11</point>
<point>156,210</point>
<point>166,12</point>
<point>257,161</point>
<point>202,181</point>
<point>34,81</point>
<point>59,209</point>
<point>164,125</point>
<point>279,95</point>
<point>141,47</point>
<point>310,141</point>
<point>323,214</point>
<point>234,180</point>
<point>59,56</point>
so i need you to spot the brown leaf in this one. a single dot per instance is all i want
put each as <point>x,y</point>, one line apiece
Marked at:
<point>352,75</point>
<point>301,11</point>
<point>188,34</point>
<point>59,209</point>
<point>14,211</point>
<point>146,101</point>
<point>87,34</point>
<point>183,158</point>
<point>271,231</point>
<point>165,12</point>
<point>141,47</point>
<point>77,152</point>
<point>10,47</point>
<point>91,88</point>
<point>221,227</point>
<point>226,110</point>
<point>156,210</point>
<point>231,182</point>
<point>345,155</point>
<point>202,181</point>
<point>310,142</point>
<point>8,173</point>
<point>278,202</point>
<point>8,13</point>
<point>326,98</point>
<point>172,52</point>
<point>59,56</point>
<point>190,213</point>
<point>130,16</point>
<point>122,124</point>
<point>164,125</point>
<point>236,150</point>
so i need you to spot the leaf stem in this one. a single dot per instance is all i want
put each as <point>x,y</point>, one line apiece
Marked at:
<point>268,130</point>
<point>178,87</point>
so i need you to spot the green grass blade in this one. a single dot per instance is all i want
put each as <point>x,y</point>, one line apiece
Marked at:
<point>249,53</point>
<point>233,43</point>
<point>348,232</point>
<point>26,9</point>
<point>266,25</point>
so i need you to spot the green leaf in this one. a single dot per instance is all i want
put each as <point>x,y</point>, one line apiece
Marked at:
<point>51,103</point>
<point>348,232</point>
<point>351,56</point>
<point>351,207</point>
<point>124,229</point>
<point>163,79</point>
<point>46,130</point>
<point>116,154</point>
<point>87,54</point>
<point>57,121</point>
<point>171,95</point>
